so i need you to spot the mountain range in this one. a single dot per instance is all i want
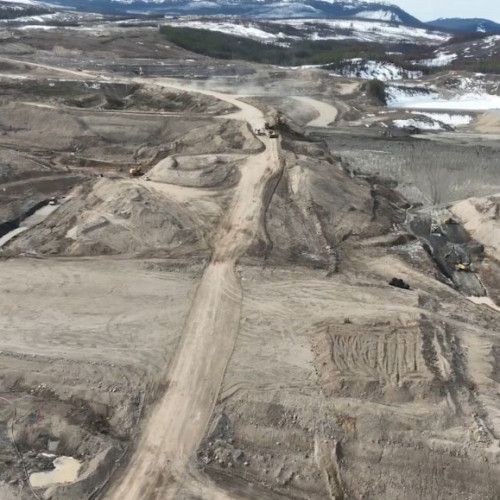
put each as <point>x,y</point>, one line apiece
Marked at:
<point>376,10</point>
<point>365,9</point>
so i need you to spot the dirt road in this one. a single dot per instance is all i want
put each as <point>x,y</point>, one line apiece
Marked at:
<point>326,112</point>
<point>177,424</point>
<point>247,112</point>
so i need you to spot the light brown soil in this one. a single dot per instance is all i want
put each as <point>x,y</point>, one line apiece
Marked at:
<point>481,218</point>
<point>222,327</point>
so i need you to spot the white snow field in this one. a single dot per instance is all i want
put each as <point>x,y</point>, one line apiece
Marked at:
<point>415,98</point>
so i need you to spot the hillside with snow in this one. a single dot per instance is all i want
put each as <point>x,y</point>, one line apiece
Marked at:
<point>22,8</point>
<point>475,25</point>
<point>379,32</point>
<point>355,9</point>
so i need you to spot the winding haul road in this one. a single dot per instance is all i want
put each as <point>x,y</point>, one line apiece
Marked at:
<point>161,465</point>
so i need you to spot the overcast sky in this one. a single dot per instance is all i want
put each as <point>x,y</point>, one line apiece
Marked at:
<point>427,10</point>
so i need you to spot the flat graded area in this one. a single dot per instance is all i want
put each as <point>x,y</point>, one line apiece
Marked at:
<point>202,310</point>
<point>79,340</point>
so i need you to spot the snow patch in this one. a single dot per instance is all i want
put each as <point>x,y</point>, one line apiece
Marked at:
<point>441,59</point>
<point>243,30</point>
<point>423,125</point>
<point>381,15</point>
<point>368,70</point>
<point>490,42</point>
<point>402,97</point>
<point>369,31</point>
<point>446,118</point>
<point>399,98</point>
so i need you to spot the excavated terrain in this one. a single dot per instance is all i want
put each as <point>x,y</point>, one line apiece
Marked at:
<point>218,324</point>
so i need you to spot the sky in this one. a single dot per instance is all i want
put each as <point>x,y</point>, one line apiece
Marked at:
<point>428,10</point>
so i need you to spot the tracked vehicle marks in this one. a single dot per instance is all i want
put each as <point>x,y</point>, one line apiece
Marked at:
<point>351,357</point>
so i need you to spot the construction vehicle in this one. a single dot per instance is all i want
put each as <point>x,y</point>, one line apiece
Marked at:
<point>273,134</point>
<point>436,230</point>
<point>463,267</point>
<point>136,171</point>
<point>399,283</point>
<point>260,131</point>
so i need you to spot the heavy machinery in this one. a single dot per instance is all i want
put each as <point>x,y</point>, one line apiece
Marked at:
<point>136,171</point>
<point>463,262</point>
<point>436,230</point>
<point>273,134</point>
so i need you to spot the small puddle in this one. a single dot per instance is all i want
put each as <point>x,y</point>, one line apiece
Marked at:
<point>484,301</point>
<point>66,471</point>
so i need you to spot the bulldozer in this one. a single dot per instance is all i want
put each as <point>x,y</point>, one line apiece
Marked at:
<point>463,267</point>
<point>136,171</point>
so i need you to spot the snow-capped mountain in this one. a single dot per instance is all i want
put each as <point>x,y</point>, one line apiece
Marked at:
<point>359,9</point>
<point>466,25</point>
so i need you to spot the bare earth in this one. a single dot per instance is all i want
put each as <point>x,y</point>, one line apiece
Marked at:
<point>180,419</point>
<point>222,326</point>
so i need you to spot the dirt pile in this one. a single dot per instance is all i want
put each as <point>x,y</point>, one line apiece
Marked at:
<point>481,218</point>
<point>206,171</point>
<point>126,217</point>
<point>318,211</point>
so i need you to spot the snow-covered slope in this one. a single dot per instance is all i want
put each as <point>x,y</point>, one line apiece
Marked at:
<point>466,25</point>
<point>314,29</point>
<point>22,8</point>
<point>366,31</point>
<point>422,98</point>
<point>368,70</point>
<point>368,9</point>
